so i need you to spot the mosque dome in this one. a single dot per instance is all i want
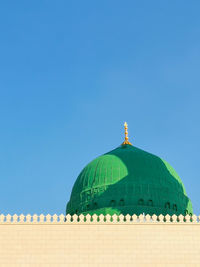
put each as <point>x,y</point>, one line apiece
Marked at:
<point>128,180</point>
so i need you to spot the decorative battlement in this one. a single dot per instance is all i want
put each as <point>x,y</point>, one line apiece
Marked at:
<point>94,219</point>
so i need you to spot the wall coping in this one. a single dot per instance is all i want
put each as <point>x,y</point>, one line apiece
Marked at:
<point>95,219</point>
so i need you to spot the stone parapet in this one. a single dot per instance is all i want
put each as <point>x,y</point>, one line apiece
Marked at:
<point>39,240</point>
<point>94,219</point>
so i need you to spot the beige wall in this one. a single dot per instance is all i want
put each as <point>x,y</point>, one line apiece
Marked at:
<point>99,244</point>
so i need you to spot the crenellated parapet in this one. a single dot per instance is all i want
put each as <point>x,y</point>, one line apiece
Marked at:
<point>95,219</point>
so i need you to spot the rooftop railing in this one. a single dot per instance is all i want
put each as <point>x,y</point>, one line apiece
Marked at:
<point>95,219</point>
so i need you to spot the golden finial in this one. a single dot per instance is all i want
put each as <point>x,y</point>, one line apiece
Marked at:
<point>126,142</point>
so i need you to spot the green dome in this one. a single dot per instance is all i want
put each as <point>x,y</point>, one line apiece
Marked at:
<point>128,180</point>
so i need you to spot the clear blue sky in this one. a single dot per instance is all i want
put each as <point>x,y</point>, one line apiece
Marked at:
<point>71,73</point>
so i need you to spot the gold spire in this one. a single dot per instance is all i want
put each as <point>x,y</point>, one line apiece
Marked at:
<point>126,142</point>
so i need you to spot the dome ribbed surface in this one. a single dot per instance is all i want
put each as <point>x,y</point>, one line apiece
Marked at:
<point>128,180</point>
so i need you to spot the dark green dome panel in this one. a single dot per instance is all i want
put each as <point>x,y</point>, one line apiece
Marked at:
<point>129,180</point>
